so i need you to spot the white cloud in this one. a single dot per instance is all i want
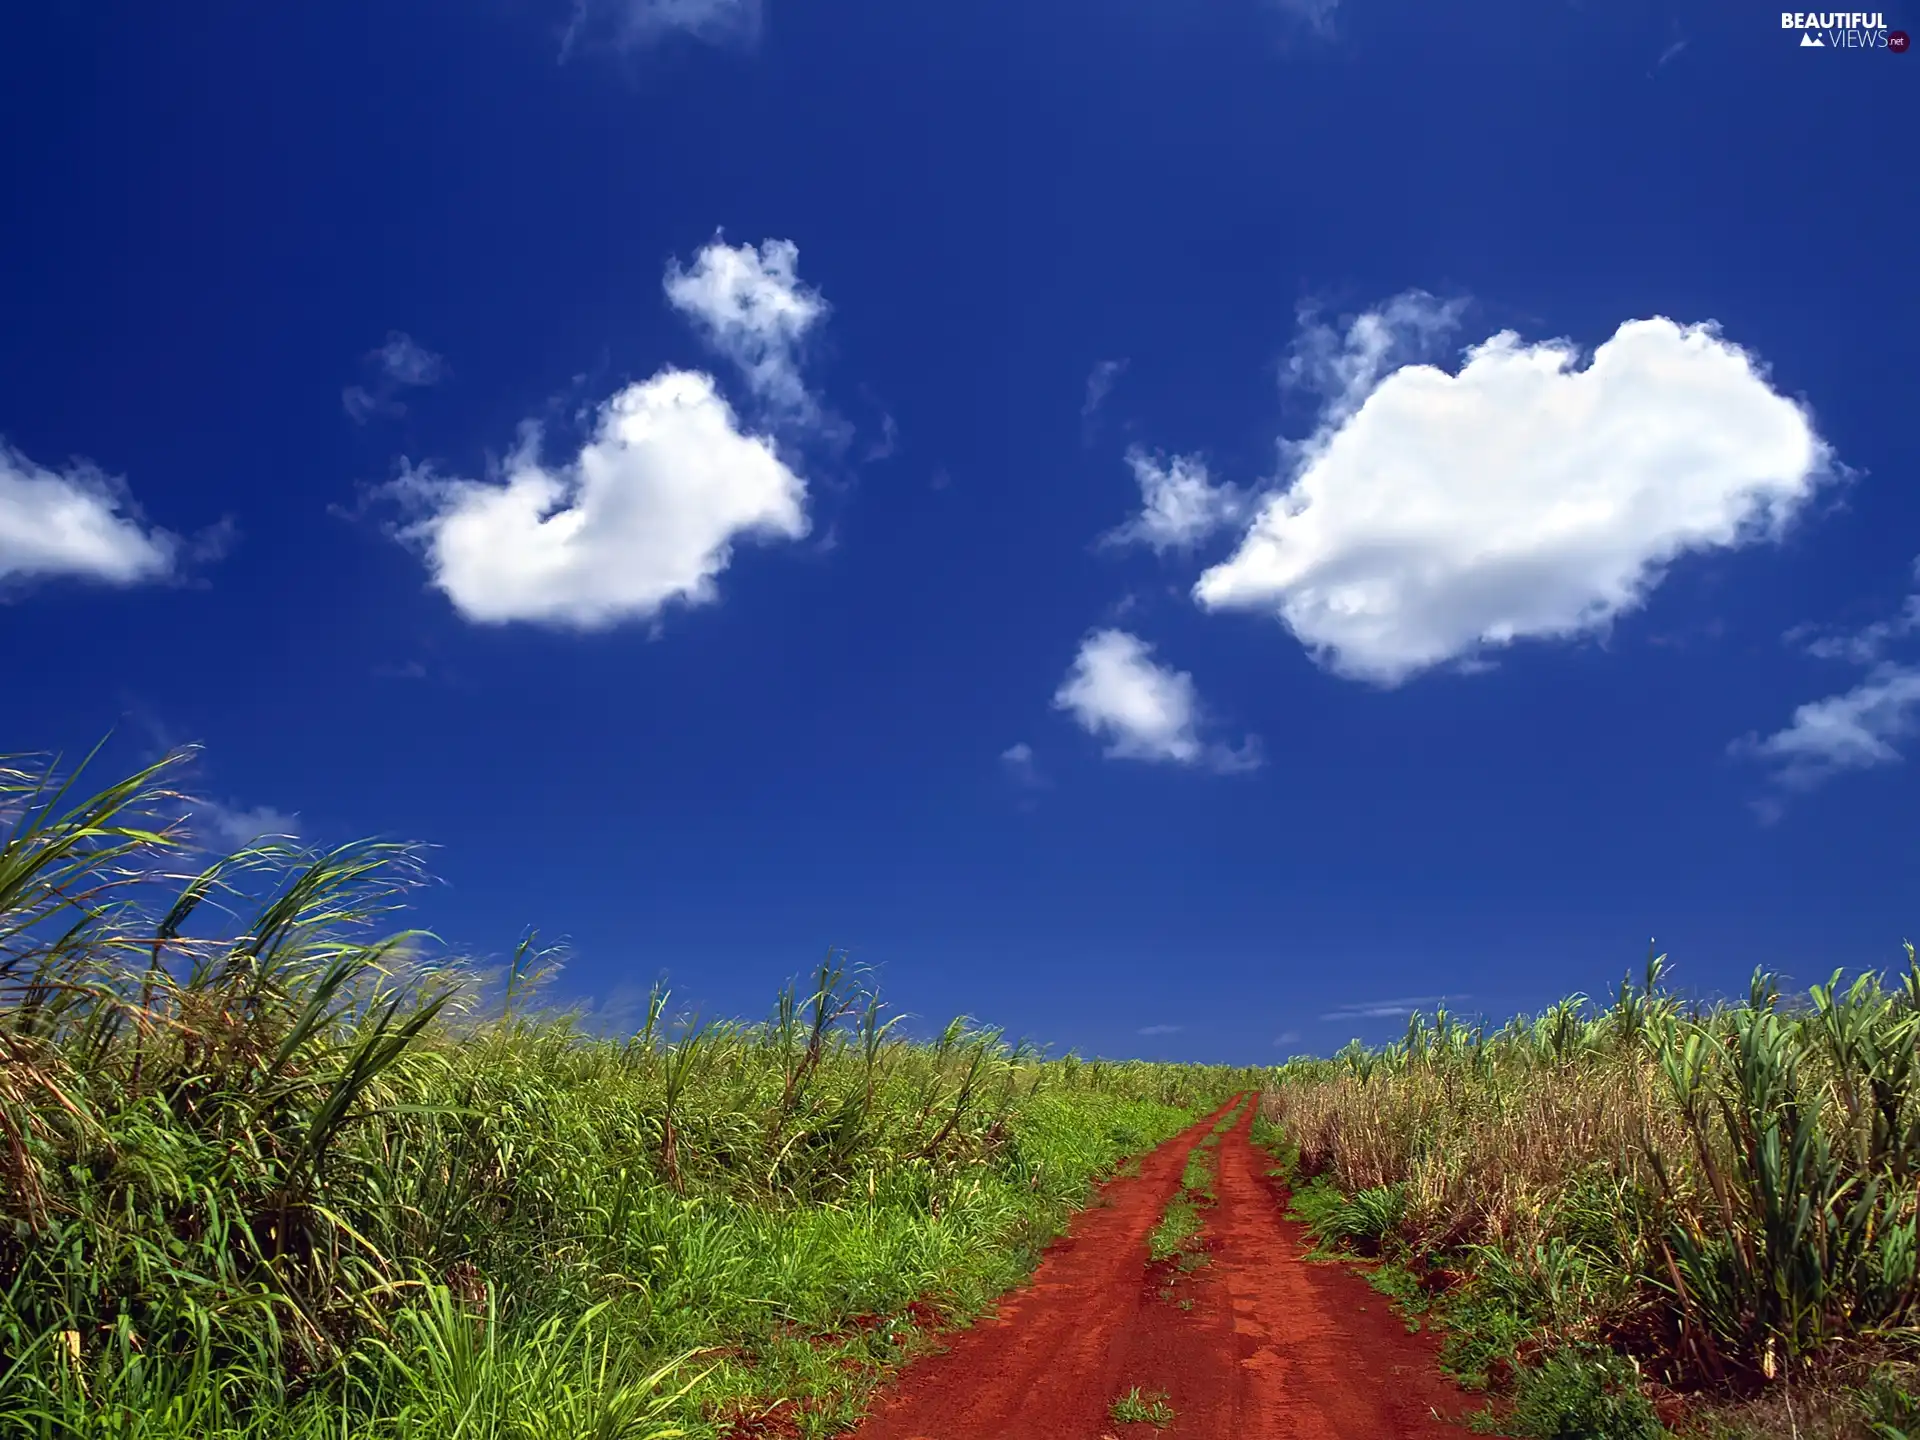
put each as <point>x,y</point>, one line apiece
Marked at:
<point>1855,730</point>
<point>1144,711</point>
<point>645,514</point>
<point>752,307</point>
<point>79,522</point>
<point>1433,516</point>
<point>233,828</point>
<point>1160,1029</point>
<point>1180,504</point>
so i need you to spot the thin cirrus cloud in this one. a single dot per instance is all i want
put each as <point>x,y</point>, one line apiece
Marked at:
<point>1860,728</point>
<point>1434,516</point>
<point>1022,767</point>
<point>648,510</point>
<point>1141,709</point>
<point>234,827</point>
<point>400,363</point>
<point>1100,382</point>
<point>78,523</point>
<point>635,24</point>
<point>1400,1009</point>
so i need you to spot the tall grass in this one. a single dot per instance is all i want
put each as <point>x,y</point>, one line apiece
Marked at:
<point>1726,1193</point>
<point>275,1167</point>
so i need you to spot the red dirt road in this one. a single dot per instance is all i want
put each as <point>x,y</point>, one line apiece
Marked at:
<point>1272,1349</point>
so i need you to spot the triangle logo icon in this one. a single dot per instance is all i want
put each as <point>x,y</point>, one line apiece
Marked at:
<point>1812,42</point>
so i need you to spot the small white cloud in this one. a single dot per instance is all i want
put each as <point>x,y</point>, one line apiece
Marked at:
<point>1180,505</point>
<point>80,522</point>
<point>751,306</point>
<point>1434,517</point>
<point>1160,1029</point>
<point>1287,1037</point>
<point>233,828</point>
<point>1144,711</point>
<point>1855,730</point>
<point>645,514</point>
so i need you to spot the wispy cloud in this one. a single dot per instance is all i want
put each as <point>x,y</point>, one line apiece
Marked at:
<point>1160,1029</point>
<point>1021,766</point>
<point>1100,383</point>
<point>400,363</point>
<point>1860,728</point>
<point>1857,729</point>
<point>1180,505</point>
<point>634,24</point>
<point>231,827</point>
<point>1315,14</point>
<point>1388,1009</point>
<point>752,307</point>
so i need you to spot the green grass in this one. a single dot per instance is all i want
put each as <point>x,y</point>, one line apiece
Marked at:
<point>1178,1235</point>
<point>1136,1408</point>
<point>275,1166</point>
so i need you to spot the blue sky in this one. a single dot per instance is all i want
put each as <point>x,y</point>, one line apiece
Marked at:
<point>1179,529</point>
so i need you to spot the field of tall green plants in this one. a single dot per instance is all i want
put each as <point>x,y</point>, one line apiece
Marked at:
<point>1708,1206</point>
<point>276,1167</point>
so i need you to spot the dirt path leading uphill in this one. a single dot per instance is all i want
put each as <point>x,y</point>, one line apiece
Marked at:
<point>1271,1349</point>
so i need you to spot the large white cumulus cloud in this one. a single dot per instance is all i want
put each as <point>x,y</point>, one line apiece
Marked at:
<point>1436,515</point>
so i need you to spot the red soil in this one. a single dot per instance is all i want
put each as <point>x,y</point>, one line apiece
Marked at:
<point>1272,1349</point>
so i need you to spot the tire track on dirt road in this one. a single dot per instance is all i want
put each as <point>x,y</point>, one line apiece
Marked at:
<point>1272,1348</point>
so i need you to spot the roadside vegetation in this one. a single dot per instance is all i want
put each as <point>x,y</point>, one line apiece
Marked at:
<point>1644,1215</point>
<point>1138,1408</point>
<point>274,1166</point>
<point>1176,1247</point>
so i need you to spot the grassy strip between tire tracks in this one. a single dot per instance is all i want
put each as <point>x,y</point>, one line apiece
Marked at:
<point>297,1175</point>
